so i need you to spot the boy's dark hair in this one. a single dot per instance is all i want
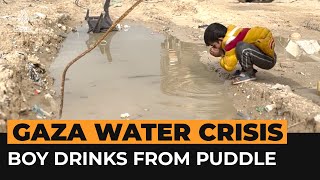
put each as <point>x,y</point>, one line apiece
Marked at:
<point>213,32</point>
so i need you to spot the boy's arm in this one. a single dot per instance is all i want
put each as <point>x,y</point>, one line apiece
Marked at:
<point>229,60</point>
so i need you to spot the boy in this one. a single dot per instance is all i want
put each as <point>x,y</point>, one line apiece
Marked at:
<point>249,46</point>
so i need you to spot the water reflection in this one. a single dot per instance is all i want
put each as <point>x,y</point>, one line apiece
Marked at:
<point>104,46</point>
<point>183,75</point>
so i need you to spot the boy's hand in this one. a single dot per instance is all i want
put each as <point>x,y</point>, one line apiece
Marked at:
<point>216,52</point>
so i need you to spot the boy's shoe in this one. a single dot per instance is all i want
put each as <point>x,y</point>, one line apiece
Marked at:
<point>238,72</point>
<point>244,77</point>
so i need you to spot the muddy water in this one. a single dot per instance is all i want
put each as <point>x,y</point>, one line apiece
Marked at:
<point>137,71</point>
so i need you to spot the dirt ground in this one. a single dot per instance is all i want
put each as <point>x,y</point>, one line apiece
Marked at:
<point>34,29</point>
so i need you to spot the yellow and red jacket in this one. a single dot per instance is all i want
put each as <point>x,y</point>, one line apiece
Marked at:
<point>259,36</point>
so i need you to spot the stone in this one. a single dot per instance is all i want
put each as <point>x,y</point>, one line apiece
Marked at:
<point>40,15</point>
<point>278,86</point>
<point>125,116</point>
<point>293,49</point>
<point>309,46</point>
<point>317,118</point>
<point>295,36</point>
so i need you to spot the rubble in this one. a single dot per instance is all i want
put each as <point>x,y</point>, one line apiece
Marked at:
<point>293,48</point>
<point>125,116</point>
<point>29,34</point>
<point>284,88</point>
<point>40,15</point>
<point>309,46</point>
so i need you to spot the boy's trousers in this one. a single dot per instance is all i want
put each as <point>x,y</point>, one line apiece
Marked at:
<point>249,55</point>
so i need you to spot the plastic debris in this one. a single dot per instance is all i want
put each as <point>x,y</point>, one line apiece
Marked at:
<point>118,26</point>
<point>32,72</point>
<point>37,91</point>
<point>125,116</point>
<point>270,107</point>
<point>41,114</point>
<point>126,27</point>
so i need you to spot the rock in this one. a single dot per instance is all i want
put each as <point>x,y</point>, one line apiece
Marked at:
<point>293,49</point>
<point>5,74</point>
<point>51,100</point>
<point>317,118</point>
<point>278,86</point>
<point>55,37</point>
<point>33,59</point>
<point>295,36</point>
<point>48,50</point>
<point>40,15</point>
<point>302,73</point>
<point>64,28</point>
<point>125,116</point>
<point>3,116</point>
<point>73,29</point>
<point>309,46</point>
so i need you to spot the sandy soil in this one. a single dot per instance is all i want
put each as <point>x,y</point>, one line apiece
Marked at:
<point>30,45</point>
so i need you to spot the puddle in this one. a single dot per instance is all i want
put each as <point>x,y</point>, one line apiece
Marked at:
<point>145,74</point>
<point>281,44</point>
